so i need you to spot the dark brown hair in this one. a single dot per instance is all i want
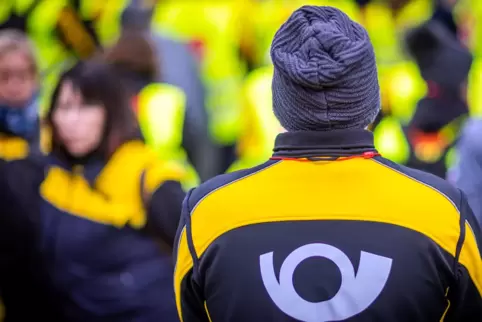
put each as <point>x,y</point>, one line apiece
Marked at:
<point>133,52</point>
<point>98,82</point>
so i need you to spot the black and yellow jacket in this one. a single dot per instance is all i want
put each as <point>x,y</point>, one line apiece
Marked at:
<point>328,230</point>
<point>99,229</point>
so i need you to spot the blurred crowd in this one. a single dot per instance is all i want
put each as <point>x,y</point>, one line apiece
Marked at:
<point>196,77</point>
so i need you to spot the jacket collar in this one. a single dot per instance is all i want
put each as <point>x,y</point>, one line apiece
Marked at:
<point>332,144</point>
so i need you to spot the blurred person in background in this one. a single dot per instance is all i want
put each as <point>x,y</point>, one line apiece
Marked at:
<point>160,107</point>
<point>61,32</point>
<point>21,288</point>
<point>19,88</point>
<point>426,142</point>
<point>178,67</point>
<point>107,204</point>
<point>216,30</point>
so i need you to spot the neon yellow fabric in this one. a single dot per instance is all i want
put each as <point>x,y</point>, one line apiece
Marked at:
<point>260,126</point>
<point>161,110</point>
<point>402,87</point>
<point>474,95</point>
<point>217,25</point>
<point>390,140</point>
<point>161,115</point>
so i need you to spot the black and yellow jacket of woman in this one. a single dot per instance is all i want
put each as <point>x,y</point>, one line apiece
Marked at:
<point>98,230</point>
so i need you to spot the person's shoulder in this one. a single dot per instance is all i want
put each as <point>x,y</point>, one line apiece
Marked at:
<point>433,182</point>
<point>222,181</point>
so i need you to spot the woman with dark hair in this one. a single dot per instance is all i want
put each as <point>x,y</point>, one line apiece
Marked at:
<point>108,205</point>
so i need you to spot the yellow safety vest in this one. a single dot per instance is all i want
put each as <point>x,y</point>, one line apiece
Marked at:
<point>215,25</point>
<point>402,87</point>
<point>390,140</point>
<point>161,109</point>
<point>260,124</point>
<point>474,95</point>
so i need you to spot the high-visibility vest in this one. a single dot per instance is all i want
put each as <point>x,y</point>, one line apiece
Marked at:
<point>474,94</point>
<point>213,27</point>
<point>433,151</point>
<point>160,109</point>
<point>260,124</point>
<point>402,87</point>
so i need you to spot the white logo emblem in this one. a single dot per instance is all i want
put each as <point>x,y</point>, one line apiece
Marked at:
<point>356,292</point>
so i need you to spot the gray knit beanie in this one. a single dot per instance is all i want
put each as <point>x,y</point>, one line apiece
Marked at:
<point>325,76</point>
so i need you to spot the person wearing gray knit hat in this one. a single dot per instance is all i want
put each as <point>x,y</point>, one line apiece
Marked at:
<point>325,76</point>
<point>250,242</point>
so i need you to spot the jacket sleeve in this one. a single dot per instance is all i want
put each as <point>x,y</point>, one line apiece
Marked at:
<point>465,297</point>
<point>163,196</point>
<point>164,211</point>
<point>189,300</point>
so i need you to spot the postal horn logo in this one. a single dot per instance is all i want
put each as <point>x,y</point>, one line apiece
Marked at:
<point>356,293</point>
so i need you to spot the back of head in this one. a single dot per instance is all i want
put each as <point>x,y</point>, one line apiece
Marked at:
<point>137,15</point>
<point>325,74</point>
<point>440,57</point>
<point>134,53</point>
